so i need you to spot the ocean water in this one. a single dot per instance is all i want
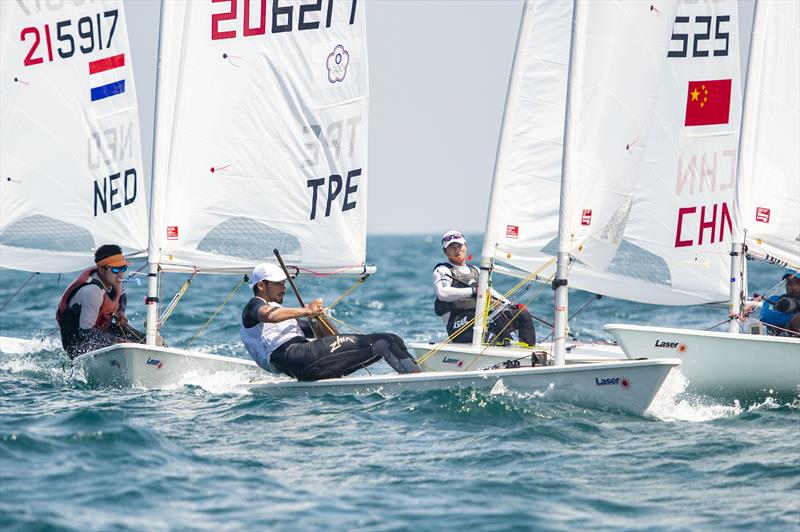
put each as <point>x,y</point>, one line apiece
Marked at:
<point>208,457</point>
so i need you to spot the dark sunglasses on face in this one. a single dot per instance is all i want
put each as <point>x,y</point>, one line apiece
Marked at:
<point>117,269</point>
<point>454,236</point>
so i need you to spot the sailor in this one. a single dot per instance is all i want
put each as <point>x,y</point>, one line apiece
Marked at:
<point>455,284</point>
<point>276,336</point>
<point>91,312</point>
<point>781,314</point>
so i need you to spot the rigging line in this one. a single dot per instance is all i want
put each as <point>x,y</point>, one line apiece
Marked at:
<point>519,311</point>
<point>792,334</point>
<point>34,274</point>
<point>347,292</point>
<point>125,330</point>
<point>585,305</point>
<point>175,299</point>
<point>720,323</point>
<point>159,292</point>
<point>510,301</point>
<point>207,323</point>
<point>340,322</point>
<point>534,356</point>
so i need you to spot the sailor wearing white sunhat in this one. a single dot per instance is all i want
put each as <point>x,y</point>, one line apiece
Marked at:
<point>455,284</point>
<point>276,336</point>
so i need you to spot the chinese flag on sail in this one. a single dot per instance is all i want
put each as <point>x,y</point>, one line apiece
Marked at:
<point>708,102</point>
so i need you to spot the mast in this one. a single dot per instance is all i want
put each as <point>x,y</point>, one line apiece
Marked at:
<point>151,301</point>
<point>561,296</point>
<point>738,258</point>
<point>489,235</point>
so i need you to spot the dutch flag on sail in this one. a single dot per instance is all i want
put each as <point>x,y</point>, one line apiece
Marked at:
<point>104,65</point>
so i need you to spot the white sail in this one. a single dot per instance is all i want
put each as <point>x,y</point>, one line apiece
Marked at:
<point>261,136</point>
<point>767,204</point>
<point>618,58</point>
<point>70,155</point>
<point>523,209</point>
<point>679,232</point>
<point>638,211</point>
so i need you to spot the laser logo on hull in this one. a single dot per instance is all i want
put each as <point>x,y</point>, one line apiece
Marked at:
<point>610,381</point>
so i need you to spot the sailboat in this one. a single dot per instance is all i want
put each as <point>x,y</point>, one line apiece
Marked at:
<point>260,143</point>
<point>766,224</point>
<point>71,162</point>
<point>617,200</point>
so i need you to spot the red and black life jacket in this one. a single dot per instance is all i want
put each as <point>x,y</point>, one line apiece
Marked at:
<point>109,306</point>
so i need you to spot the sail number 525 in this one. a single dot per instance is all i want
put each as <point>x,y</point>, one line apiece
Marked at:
<point>702,32</point>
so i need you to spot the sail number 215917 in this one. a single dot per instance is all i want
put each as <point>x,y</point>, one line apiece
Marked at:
<point>86,35</point>
<point>249,17</point>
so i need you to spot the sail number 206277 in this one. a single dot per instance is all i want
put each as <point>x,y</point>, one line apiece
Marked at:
<point>249,17</point>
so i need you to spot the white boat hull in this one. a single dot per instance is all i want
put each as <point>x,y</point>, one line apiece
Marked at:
<point>718,362</point>
<point>627,386</point>
<point>465,357</point>
<point>158,367</point>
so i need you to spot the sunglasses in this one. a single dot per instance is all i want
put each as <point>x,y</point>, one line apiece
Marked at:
<point>454,236</point>
<point>117,269</point>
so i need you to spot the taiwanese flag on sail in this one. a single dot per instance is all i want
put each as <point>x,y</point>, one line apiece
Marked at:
<point>708,102</point>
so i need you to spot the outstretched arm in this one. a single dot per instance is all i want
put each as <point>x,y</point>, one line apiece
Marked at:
<point>269,314</point>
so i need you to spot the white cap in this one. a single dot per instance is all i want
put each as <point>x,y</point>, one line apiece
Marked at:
<point>452,236</point>
<point>267,272</point>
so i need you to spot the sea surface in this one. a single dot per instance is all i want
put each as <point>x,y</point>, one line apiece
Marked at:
<point>207,456</point>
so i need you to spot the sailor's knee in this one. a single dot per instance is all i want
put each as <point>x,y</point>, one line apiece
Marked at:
<point>393,338</point>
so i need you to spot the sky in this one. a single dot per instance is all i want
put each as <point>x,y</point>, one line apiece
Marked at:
<point>439,72</point>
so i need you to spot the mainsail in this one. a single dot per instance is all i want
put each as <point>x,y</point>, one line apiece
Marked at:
<point>577,113</point>
<point>659,232</point>
<point>767,204</point>
<point>261,136</point>
<point>70,156</point>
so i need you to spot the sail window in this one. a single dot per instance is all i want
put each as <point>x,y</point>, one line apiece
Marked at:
<point>249,239</point>
<point>43,232</point>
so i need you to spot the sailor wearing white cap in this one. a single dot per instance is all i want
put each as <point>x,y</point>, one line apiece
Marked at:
<point>277,341</point>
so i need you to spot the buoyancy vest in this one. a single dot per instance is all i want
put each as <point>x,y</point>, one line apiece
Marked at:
<point>109,306</point>
<point>465,280</point>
